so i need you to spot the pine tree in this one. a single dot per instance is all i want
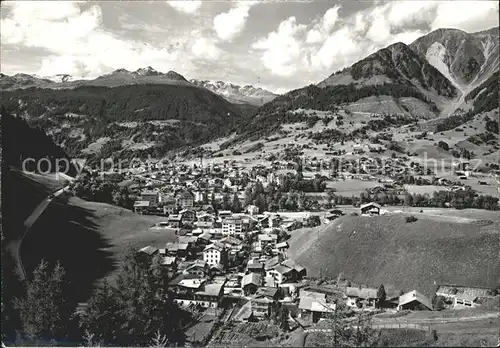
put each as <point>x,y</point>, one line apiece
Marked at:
<point>44,311</point>
<point>101,321</point>
<point>381,294</point>
<point>236,206</point>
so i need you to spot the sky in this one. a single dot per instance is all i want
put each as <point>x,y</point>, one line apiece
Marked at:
<point>275,44</point>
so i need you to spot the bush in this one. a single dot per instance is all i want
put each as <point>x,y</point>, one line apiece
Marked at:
<point>444,145</point>
<point>411,218</point>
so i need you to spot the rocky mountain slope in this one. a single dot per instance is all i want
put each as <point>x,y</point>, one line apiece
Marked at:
<point>427,79</point>
<point>466,59</point>
<point>235,93</point>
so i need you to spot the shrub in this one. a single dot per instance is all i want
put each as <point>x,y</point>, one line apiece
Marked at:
<point>444,145</point>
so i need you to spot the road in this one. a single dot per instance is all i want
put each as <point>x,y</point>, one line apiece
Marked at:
<point>15,246</point>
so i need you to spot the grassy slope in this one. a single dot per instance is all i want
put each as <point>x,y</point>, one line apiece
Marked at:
<point>402,255</point>
<point>89,239</point>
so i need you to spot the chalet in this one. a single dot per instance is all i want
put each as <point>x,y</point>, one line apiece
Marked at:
<point>211,295</point>
<point>414,300</point>
<point>169,261</point>
<point>151,196</point>
<point>255,267</point>
<point>207,208</point>
<point>300,270</point>
<point>370,209</point>
<point>464,296</point>
<point>198,268</point>
<point>263,300</point>
<point>281,274</point>
<point>361,297</point>
<point>267,239</point>
<point>177,249</point>
<point>251,283</point>
<point>170,208</point>
<point>147,252</point>
<point>217,270</point>
<point>225,214</point>
<point>194,291</point>
<point>185,199</point>
<point>314,305</point>
<point>216,253</point>
<point>282,247</point>
<point>252,209</point>
<point>187,216</point>
<point>175,221</point>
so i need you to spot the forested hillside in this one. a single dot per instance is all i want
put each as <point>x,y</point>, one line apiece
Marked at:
<point>190,115</point>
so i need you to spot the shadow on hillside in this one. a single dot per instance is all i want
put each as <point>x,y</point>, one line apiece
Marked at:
<point>20,195</point>
<point>65,233</point>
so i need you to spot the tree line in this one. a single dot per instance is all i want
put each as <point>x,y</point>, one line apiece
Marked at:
<point>135,310</point>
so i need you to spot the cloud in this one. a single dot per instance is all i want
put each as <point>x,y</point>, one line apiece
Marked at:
<point>205,48</point>
<point>186,6</point>
<point>471,16</point>
<point>281,48</point>
<point>230,24</point>
<point>323,26</point>
<point>75,41</point>
<point>333,42</point>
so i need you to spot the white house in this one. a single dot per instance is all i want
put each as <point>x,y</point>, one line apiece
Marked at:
<point>233,225</point>
<point>215,254</point>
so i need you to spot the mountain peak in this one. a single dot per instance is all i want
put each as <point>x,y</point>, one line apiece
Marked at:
<point>121,71</point>
<point>173,75</point>
<point>147,71</point>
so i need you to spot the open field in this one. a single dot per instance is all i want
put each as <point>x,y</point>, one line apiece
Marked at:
<point>89,239</point>
<point>404,256</point>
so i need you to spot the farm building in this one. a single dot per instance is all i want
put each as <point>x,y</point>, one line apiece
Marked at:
<point>250,283</point>
<point>371,208</point>
<point>464,296</point>
<point>314,305</point>
<point>414,300</point>
<point>361,297</point>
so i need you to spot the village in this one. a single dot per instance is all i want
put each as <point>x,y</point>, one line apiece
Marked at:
<point>231,263</point>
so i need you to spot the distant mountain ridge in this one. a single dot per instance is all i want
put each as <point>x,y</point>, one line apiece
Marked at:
<point>233,93</point>
<point>236,93</point>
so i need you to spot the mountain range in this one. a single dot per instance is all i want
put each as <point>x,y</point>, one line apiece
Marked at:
<point>233,93</point>
<point>443,73</point>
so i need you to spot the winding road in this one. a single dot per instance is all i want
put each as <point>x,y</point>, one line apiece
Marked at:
<point>15,246</point>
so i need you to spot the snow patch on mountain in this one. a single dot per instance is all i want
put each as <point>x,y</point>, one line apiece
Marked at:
<point>236,93</point>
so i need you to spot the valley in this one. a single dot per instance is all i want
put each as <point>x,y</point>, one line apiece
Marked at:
<point>367,200</point>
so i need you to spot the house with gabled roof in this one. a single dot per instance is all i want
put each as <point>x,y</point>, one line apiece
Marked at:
<point>216,253</point>
<point>414,300</point>
<point>371,208</point>
<point>358,297</point>
<point>314,305</point>
<point>250,283</point>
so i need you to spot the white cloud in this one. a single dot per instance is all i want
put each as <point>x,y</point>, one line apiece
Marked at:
<point>470,16</point>
<point>339,49</point>
<point>76,41</point>
<point>229,24</point>
<point>330,18</point>
<point>314,36</point>
<point>205,48</point>
<point>320,30</point>
<point>186,6</point>
<point>281,48</point>
<point>408,12</point>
